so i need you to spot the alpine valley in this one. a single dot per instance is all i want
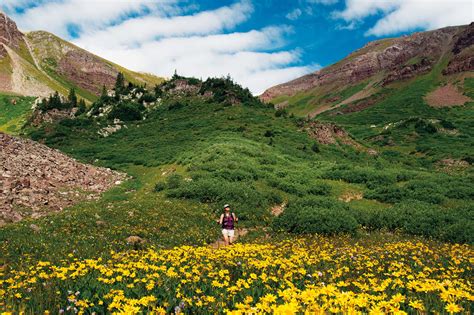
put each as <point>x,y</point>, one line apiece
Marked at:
<point>353,184</point>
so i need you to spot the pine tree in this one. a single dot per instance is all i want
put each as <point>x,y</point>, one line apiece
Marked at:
<point>72,98</point>
<point>55,101</point>
<point>81,108</point>
<point>119,84</point>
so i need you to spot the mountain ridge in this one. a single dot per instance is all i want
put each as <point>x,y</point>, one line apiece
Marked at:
<point>37,63</point>
<point>381,63</point>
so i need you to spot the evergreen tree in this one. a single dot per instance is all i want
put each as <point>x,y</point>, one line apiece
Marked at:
<point>119,84</point>
<point>72,98</point>
<point>55,101</point>
<point>81,108</point>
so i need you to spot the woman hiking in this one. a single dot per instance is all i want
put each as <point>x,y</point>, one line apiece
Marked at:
<point>227,221</point>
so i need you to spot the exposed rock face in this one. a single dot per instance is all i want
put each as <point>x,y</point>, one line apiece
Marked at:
<point>87,71</point>
<point>374,58</point>
<point>36,180</point>
<point>328,133</point>
<point>408,71</point>
<point>38,117</point>
<point>463,51</point>
<point>9,34</point>
<point>464,39</point>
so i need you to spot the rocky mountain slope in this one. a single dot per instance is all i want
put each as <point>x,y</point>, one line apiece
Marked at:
<point>36,180</point>
<point>379,64</point>
<point>39,63</point>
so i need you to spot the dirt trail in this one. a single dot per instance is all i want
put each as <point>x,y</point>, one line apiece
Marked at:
<point>239,232</point>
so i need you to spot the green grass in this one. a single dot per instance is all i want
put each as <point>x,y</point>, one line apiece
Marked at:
<point>93,228</point>
<point>243,155</point>
<point>13,117</point>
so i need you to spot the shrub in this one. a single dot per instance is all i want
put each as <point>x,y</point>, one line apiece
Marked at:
<point>320,189</point>
<point>174,181</point>
<point>160,186</point>
<point>421,127</point>
<point>316,215</point>
<point>281,112</point>
<point>127,111</point>
<point>389,194</point>
<point>315,148</point>
<point>461,192</point>
<point>372,179</point>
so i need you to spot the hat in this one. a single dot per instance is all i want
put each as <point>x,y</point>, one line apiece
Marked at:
<point>226,206</point>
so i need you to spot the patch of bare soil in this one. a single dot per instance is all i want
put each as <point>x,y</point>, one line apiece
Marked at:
<point>446,96</point>
<point>278,209</point>
<point>349,196</point>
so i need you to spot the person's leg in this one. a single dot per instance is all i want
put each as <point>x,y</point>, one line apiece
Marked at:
<point>226,237</point>
<point>231,236</point>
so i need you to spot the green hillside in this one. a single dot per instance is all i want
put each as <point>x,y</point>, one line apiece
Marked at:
<point>191,146</point>
<point>14,112</point>
<point>247,156</point>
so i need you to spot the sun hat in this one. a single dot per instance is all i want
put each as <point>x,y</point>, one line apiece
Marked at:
<point>226,206</point>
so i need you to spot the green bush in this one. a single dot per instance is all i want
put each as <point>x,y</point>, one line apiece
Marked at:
<point>422,218</point>
<point>371,178</point>
<point>388,194</point>
<point>320,189</point>
<point>174,181</point>
<point>316,215</point>
<point>127,111</point>
<point>160,186</point>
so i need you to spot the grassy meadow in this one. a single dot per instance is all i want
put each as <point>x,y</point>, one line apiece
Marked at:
<point>384,233</point>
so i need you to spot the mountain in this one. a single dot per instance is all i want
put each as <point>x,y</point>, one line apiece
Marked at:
<point>38,63</point>
<point>379,66</point>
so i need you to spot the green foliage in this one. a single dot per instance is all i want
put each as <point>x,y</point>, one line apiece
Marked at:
<point>55,102</point>
<point>368,176</point>
<point>225,90</point>
<point>174,181</point>
<point>72,98</point>
<point>119,85</point>
<point>316,215</point>
<point>127,111</point>
<point>14,112</point>
<point>81,109</point>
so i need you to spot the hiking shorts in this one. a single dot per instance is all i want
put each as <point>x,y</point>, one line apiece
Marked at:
<point>229,233</point>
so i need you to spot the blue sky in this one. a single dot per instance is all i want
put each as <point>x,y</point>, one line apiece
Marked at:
<point>258,42</point>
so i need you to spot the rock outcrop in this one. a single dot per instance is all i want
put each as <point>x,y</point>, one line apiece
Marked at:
<point>36,180</point>
<point>9,34</point>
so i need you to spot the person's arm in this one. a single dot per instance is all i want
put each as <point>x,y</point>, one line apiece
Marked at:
<point>221,218</point>
<point>235,217</point>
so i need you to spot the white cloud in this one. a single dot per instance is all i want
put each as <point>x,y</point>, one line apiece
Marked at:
<point>138,30</point>
<point>55,16</point>
<point>159,36</point>
<point>405,15</point>
<point>239,54</point>
<point>294,15</point>
<point>325,2</point>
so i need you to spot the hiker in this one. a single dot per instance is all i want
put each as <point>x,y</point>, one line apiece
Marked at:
<point>227,221</point>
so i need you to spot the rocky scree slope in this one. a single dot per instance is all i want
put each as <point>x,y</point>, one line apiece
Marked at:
<point>36,180</point>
